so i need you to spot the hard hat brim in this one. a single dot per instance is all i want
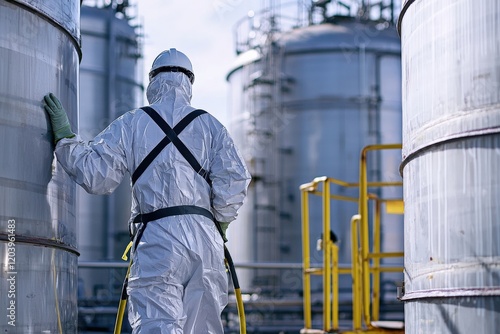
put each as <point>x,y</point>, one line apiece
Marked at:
<point>158,70</point>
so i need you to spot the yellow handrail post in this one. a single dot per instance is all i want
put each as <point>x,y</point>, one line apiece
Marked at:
<point>356,279</point>
<point>364,240</point>
<point>366,256</point>
<point>376,262</point>
<point>335,286</point>
<point>327,288</point>
<point>306,259</point>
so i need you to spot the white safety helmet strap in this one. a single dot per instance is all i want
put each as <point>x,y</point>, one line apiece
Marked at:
<point>172,61</point>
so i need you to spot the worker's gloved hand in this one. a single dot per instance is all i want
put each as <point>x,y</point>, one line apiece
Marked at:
<point>58,118</point>
<point>224,227</point>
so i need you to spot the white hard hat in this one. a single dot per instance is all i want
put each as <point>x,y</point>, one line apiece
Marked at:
<point>172,61</point>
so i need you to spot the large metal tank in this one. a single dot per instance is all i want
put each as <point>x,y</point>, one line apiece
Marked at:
<point>39,53</point>
<point>303,104</point>
<point>111,84</point>
<point>451,152</point>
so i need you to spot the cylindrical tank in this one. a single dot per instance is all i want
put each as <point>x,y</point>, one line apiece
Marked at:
<point>39,53</point>
<point>111,84</point>
<point>451,163</point>
<point>304,105</point>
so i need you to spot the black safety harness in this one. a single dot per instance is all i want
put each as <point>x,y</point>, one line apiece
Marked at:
<point>171,136</point>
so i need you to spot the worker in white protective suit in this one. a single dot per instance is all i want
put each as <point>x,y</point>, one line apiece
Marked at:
<point>185,171</point>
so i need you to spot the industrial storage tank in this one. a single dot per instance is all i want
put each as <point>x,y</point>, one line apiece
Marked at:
<point>110,85</point>
<point>451,152</point>
<point>304,102</point>
<point>39,53</point>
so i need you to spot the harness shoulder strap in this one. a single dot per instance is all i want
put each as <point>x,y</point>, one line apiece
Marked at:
<point>171,136</point>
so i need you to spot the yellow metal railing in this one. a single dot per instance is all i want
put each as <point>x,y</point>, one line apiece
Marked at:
<point>321,187</point>
<point>367,271</point>
<point>366,264</point>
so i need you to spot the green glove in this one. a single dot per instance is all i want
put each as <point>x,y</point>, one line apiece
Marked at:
<point>224,227</point>
<point>60,123</point>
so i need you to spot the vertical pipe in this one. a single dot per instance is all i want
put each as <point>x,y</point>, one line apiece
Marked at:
<point>362,72</point>
<point>392,12</point>
<point>111,89</point>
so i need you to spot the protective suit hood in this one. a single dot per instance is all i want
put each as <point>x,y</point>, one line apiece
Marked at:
<point>171,89</point>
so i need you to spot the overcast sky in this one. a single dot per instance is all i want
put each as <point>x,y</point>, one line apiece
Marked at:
<point>203,30</point>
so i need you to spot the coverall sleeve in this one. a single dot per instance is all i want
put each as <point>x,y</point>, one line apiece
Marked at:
<point>230,178</point>
<point>98,165</point>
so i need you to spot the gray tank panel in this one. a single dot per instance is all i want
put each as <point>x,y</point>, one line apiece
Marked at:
<point>451,118</point>
<point>38,54</point>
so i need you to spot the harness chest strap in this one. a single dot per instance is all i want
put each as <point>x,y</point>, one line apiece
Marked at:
<point>171,136</point>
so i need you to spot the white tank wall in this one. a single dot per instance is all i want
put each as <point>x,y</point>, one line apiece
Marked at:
<point>451,141</point>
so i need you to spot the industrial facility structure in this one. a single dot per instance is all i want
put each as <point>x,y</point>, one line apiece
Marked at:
<point>313,84</point>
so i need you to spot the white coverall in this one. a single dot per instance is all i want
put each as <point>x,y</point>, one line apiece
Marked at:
<point>178,282</point>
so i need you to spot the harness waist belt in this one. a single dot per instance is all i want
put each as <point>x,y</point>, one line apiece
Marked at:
<point>167,212</point>
<point>173,211</point>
